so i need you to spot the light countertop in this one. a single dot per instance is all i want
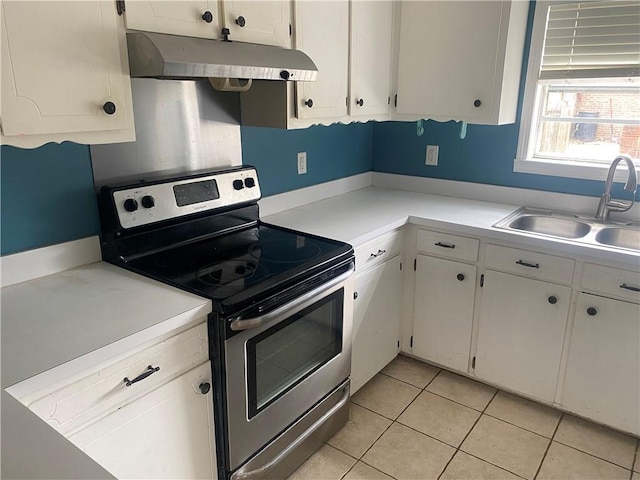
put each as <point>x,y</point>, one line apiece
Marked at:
<point>52,320</point>
<point>362,215</point>
<point>95,312</point>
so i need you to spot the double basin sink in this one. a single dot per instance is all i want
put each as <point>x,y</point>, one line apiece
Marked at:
<point>571,227</point>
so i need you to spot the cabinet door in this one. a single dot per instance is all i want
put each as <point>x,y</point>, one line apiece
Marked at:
<point>63,67</point>
<point>322,32</point>
<point>370,61</point>
<point>376,321</point>
<point>177,17</point>
<point>520,333</point>
<point>443,311</point>
<point>264,22</point>
<point>168,433</point>
<point>452,59</point>
<point>602,379</point>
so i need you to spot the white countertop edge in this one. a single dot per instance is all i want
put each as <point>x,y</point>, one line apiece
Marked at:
<point>588,253</point>
<point>77,368</point>
<point>40,262</point>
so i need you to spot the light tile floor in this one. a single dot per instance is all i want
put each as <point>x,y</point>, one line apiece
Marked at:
<point>415,421</point>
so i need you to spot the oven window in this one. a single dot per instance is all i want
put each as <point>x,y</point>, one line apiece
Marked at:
<point>287,353</point>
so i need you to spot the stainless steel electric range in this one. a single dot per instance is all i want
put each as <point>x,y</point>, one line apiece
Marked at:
<point>280,331</point>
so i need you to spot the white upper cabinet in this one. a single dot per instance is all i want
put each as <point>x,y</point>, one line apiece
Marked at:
<point>461,60</point>
<point>193,18</point>
<point>370,61</point>
<point>264,22</point>
<point>322,32</point>
<point>65,74</point>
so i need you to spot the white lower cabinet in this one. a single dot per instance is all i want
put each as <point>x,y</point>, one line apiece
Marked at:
<point>376,320</point>
<point>443,311</point>
<point>602,380</point>
<point>168,433</point>
<point>521,329</point>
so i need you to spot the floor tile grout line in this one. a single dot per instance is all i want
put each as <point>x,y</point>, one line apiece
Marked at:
<point>483,412</point>
<point>516,425</point>
<point>636,458</point>
<point>424,389</point>
<point>377,438</point>
<point>377,469</point>
<point>467,435</point>
<point>592,455</point>
<point>411,384</point>
<point>544,456</point>
<point>358,460</point>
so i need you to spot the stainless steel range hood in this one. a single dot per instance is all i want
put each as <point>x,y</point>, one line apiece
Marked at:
<point>159,55</point>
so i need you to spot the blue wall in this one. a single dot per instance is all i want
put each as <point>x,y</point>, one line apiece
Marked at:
<point>486,155</point>
<point>333,152</point>
<point>47,193</point>
<point>47,196</point>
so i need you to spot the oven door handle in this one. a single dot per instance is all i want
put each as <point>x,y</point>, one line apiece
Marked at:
<point>258,472</point>
<point>237,325</point>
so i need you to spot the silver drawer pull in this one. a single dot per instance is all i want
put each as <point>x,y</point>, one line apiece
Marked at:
<point>630,287</point>
<point>376,255</point>
<point>527,264</point>
<point>445,245</point>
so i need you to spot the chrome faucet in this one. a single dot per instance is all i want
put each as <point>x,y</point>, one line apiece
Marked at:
<point>607,205</point>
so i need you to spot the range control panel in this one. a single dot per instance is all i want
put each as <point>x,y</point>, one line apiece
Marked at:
<point>144,204</point>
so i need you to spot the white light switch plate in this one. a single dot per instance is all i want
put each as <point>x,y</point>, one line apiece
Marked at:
<point>432,155</point>
<point>302,163</point>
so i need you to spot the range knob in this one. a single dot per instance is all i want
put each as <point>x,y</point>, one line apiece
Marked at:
<point>130,205</point>
<point>238,185</point>
<point>249,182</point>
<point>148,201</point>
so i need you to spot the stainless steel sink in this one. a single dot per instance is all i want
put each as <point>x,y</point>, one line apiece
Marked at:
<point>572,228</point>
<point>619,237</point>
<point>550,225</point>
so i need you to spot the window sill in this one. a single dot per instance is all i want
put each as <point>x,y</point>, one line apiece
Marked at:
<point>567,169</point>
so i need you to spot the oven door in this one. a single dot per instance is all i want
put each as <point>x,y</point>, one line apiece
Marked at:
<point>284,362</point>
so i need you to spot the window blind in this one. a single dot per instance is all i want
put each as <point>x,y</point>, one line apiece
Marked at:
<point>592,39</point>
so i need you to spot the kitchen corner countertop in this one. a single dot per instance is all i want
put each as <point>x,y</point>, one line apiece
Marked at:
<point>98,310</point>
<point>362,215</point>
<point>52,320</point>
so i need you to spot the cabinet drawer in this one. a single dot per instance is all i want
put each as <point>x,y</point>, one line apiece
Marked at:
<point>378,250</point>
<point>104,390</point>
<point>530,264</point>
<point>612,281</point>
<point>450,246</point>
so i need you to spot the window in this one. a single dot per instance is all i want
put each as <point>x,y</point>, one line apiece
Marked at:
<point>581,103</point>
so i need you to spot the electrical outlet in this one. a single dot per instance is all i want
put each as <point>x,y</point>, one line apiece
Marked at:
<point>302,163</point>
<point>432,155</point>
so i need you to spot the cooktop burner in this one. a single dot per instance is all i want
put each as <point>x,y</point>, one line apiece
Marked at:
<point>241,264</point>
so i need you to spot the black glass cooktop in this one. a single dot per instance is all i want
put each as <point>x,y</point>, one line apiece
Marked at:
<point>231,268</point>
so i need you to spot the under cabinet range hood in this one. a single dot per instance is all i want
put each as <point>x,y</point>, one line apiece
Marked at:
<point>160,55</point>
